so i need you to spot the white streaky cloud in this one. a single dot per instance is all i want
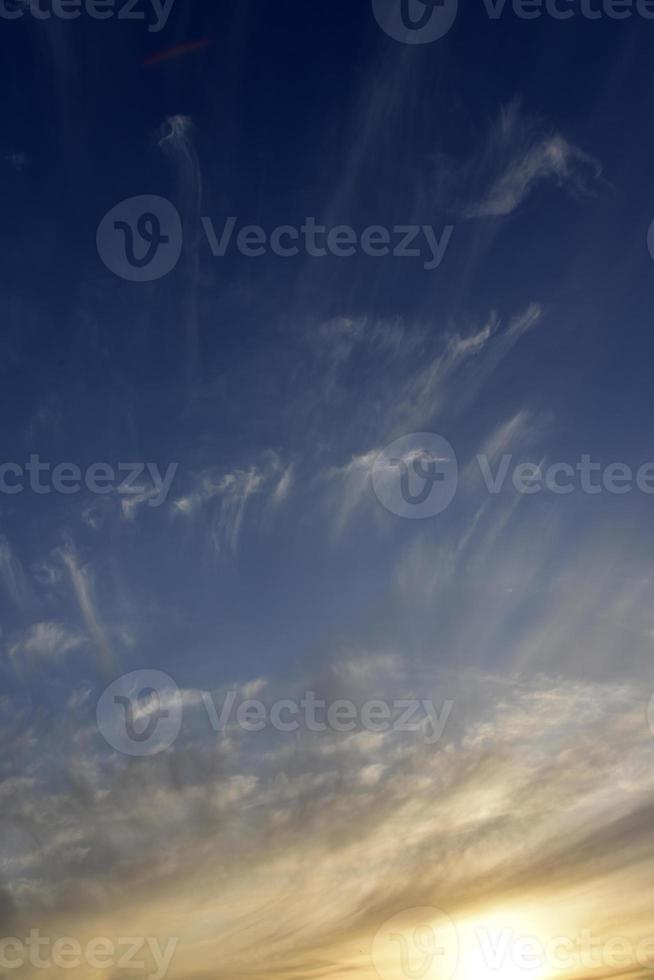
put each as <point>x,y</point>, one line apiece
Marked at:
<point>601,618</point>
<point>522,322</point>
<point>176,142</point>
<point>12,575</point>
<point>474,344</point>
<point>211,485</point>
<point>348,487</point>
<point>427,389</point>
<point>130,505</point>
<point>364,673</point>
<point>79,697</point>
<point>522,157</point>
<point>509,437</point>
<point>83,593</point>
<point>342,335</point>
<point>175,133</point>
<point>228,496</point>
<point>47,573</point>
<point>506,435</point>
<point>236,493</point>
<point>168,700</point>
<point>283,488</point>
<point>552,159</point>
<point>47,640</point>
<point>92,517</point>
<point>252,689</point>
<point>331,345</point>
<point>416,373</point>
<point>455,377</point>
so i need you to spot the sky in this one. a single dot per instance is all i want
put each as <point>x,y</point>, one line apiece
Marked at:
<point>326,490</point>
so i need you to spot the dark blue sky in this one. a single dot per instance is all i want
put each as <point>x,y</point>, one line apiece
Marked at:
<point>295,112</point>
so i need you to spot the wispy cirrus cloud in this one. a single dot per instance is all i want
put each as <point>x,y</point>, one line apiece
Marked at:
<point>520,156</point>
<point>45,641</point>
<point>175,140</point>
<point>12,575</point>
<point>82,587</point>
<point>226,497</point>
<point>447,384</point>
<point>456,375</point>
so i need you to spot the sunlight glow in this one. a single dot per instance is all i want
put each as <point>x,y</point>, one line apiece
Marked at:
<point>501,946</point>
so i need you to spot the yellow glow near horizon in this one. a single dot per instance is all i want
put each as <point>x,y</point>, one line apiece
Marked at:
<point>426,944</point>
<point>501,946</point>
